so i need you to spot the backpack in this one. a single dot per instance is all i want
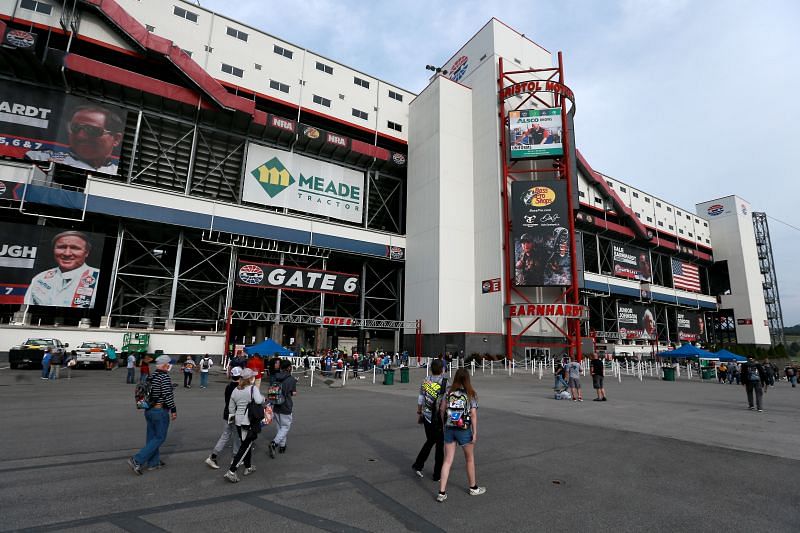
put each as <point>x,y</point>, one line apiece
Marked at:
<point>752,373</point>
<point>275,393</point>
<point>255,412</point>
<point>433,393</point>
<point>143,394</point>
<point>204,363</point>
<point>458,407</point>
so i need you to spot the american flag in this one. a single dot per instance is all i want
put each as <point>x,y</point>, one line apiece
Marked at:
<point>685,276</point>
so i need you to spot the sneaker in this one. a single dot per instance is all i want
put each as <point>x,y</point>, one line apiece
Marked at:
<point>231,476</point>
<point>752,408</point>
<point>271,449</point>
<point>597,400</point>
<point>760,410</point>
<point>212,463</point>
<point>249,470</point>
<point>418,472</point>
<point>161,464</point>
<point>605,399</point>
<point>580,399</point>
<point>136,467</point>
<point>442,496</point>
<point>477,491</point>
<point>282,449</point>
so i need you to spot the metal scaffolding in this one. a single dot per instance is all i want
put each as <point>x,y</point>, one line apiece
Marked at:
<point>770,282</point>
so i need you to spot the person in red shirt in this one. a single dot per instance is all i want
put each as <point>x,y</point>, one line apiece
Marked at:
<point>256,364</point>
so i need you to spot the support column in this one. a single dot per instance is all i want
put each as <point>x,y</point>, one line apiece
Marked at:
<point>362,347</point>
<point>105,321</point>
<point>322,339</point>
<point>171,318</point>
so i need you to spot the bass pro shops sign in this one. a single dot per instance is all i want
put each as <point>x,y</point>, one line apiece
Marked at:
<point>537,310</point>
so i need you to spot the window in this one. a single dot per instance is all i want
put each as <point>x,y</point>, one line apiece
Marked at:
<point>257,66</point>
<point>610,184</point>
<point>394,126</point>
<point>680,231</point>
<point>281,51</point>
<point>660,223</point>
<point>658,204</point>
<point>149,28</point>
<point>184,14</point>
<point>321,101</point>
<point>360,82</point>
<point>646,199</point>
<point>635,194</point>
<point>688,217</point>
<point>671,227</point>
<point>669,209</point>
<point>360,114</point>
<point>690,234</point>
<point>581,194</point>
<point>278,86</point>
<point>705,224</point>
<point>396,96</point>
<point>697,221</point>
<point>677,212</point>
<point>188,53</point>
<point>649,219</point>
<point>638,215</point>
<point>327,69</point>
<point>209,48</point>
<point>233,32</point>
<point>34,5</point>
<point>233,71</point>
<point>708,241</point>
<point>622,189</point>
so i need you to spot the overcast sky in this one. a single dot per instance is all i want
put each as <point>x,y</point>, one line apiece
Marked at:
<point>688,100</point>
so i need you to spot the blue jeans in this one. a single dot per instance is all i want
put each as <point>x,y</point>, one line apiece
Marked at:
<point>45,370</point>
<point>157,426</point>
<point>204,379</point>
<point>131,377</point>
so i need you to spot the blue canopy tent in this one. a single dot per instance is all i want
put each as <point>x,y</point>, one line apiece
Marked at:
<point>725,355</point>
<point>267,348</point>
<point>688,351</point>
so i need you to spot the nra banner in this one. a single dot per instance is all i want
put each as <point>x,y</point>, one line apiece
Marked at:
<point>284,179</point>
<point>636,321</point>
<point>691,326</point>
<point>541,240</point>
<point>41,125</point>
<point>630,262</point>
<point>49,266</point>
<point>269,276</point>
<point>540,310</point>
<point>535,133</point>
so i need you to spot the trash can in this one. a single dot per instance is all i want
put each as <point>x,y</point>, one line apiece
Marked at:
<point>388,376</point>
<point>404,375</point>
<point>669,373</point>
<point>708,373</point>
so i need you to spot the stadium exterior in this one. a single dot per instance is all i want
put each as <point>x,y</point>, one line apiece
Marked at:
<point>262,190</point>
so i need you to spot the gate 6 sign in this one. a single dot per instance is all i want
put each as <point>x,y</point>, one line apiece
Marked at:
<point>263,275</point>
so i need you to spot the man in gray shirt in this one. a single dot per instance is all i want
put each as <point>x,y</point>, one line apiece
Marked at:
<point>574,381</point>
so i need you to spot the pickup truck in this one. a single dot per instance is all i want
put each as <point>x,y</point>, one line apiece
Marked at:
<point>30,352</point>
<point>92,354</point>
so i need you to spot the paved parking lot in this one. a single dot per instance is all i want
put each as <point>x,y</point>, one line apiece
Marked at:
<point>659,456</point>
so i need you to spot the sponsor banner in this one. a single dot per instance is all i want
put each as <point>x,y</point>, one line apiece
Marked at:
<point>284,124</point>
<point>490,285</point>
<point>22,40</point>
<point>11,190</point>
<point>337,140</point>
<point>398,159</point>
<point>535,133</point>
<point>636,321</point>
<point>334,321</point>
<point>37,268</point>
<point>283,179</point>
<point>395,252</point>
<point>541,241</point>
<point>41,125</point>
<point>691,326</point>
<point>264,275</point>
<point>542,310</point>
<point>744,321</point>
<point>630,262</point>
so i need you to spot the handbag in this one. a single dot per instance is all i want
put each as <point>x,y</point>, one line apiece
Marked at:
<point>255,411</point>
<point>268,414</point>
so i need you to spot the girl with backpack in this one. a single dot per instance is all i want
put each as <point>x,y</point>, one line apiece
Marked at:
<point>205,365</point>
<point>238,406</point>
<point>460,415</point>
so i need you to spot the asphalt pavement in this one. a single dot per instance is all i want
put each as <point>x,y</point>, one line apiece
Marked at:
<point>658,456</point>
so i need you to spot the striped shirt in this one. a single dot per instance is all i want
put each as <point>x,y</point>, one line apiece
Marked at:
<point>161,389</point>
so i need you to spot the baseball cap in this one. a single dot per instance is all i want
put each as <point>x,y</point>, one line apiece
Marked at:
<point>248,373</point>
<point>236,371</point>
<point>163,360</point>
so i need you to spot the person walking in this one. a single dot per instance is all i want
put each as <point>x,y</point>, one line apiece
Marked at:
<point>111,358</point>
<point>158,415</point>
<point>205,366</point>
<point>144,368</point>
<point>131,365</point>
<point>241,396</point>
<point>597,369</point>
<point>460,413</point>
<point>188,371</point>
<point>229,433</point>
<point>46,357</point>
<point>791,375</point>
<point>256,364</point>
<point>280,395</point>
<point>429,401</point>
<point>769,375</point>
<point>55,365</point>
<point>753,378</point>
<point>574,380</point>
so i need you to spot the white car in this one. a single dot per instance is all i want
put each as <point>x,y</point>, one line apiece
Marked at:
<point>92,354</point>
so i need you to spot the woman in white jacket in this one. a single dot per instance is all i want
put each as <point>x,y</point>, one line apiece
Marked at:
<point>237,407</point>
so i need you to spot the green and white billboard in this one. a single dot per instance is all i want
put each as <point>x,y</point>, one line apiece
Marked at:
<point>535,133</point>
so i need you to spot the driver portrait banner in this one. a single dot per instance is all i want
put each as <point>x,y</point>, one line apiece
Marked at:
<point>37,269</point>
<point>691,326</point>
<point>541,241</point>
<point>50,126</point>
<point>631,262</point>
<point>635,321</point>
<point>269,276</point>
<point>279,178</point>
